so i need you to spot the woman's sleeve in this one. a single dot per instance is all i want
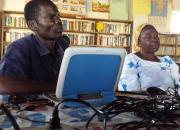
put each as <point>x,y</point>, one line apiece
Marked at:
<point>129,80</point>
<point>175,73</point>
<point>174,68</point>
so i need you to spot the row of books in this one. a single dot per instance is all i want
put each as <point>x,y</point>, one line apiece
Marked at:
<point>167,39</point>
<point>12,21</point>
<point>78,25</point>
<point>178,39</point>
<point>115,28</point>
<point>114,40</point>
<point>83,32</point>
<point>11,36</point>
<point>178,51</point>
<point>82,39</point>
<point>92,26</point>
<point>166,50</point>
<point>175,59</point>
<point>79,39</point>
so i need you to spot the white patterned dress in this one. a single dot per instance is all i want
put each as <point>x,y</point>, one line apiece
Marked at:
<point>139,74</point>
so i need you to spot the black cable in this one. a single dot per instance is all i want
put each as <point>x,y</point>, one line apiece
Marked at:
<point>90,119</point>
<point>149,108</point>
<point>104,122</point>
<point>170,91</point>
<point>79,101</point>
<point>31,119</point>
<point>11,118</point>
<point>31,107</point>
<point>110,109</point>
<point>115,108</point>
<point>146,107</point>
<point>55,121</point>
<point>125,125</point>
<point>104,118</point>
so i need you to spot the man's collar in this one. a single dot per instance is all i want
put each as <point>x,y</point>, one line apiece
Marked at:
<point>43,50</point>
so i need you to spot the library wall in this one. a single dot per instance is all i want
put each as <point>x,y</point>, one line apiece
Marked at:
<point>105,32</point>
<point>139,11</point>
<point>1,5</point>
<point>142,14</point>
<point>16,5</point>
<point>176,5</point>
<point>137,17</point>
<point>121,15</point>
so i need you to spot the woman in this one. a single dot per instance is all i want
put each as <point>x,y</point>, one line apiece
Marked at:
<point>143,69</point>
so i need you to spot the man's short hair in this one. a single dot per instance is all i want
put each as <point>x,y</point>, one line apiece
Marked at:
<point>32,8</point>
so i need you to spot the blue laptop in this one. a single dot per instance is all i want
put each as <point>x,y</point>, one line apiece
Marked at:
<point>90,74</point>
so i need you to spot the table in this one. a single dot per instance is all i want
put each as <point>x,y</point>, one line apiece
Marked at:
<point>12,85</point>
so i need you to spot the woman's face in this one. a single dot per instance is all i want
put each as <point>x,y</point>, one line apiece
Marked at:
<point>149,40</point>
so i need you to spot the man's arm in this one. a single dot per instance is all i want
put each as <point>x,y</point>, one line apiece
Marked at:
<point>24,86</point>
<point>14,63</point>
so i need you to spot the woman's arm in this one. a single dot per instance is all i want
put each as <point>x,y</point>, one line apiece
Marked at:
<point>129,80</point>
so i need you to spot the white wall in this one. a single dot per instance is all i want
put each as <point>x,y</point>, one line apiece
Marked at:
<point>13,5</point>
<point>1,4</point>
<point>176,5</point>
<point>139,19</point>
<point>143,18</point>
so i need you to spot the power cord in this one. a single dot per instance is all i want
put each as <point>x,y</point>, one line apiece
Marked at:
<point>55,121</point>
<point>11,118</point>
<point>156,111</point>
<point>45,122</point>
<point>176,92</point>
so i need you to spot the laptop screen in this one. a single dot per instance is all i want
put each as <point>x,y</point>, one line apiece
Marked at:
<point>90,73</point>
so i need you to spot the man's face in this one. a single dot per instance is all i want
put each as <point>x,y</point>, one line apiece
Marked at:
<point>149,40</point>
<point>49,25</point>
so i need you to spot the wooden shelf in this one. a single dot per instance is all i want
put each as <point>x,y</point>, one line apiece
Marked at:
<point>9,27</point>
<point>165,55</point>
<point>12,12</point>
<point>81,31</point>
<point>69,31</point>
<point>169,45</point>
<point>172,45</point>
<point>123,34</point>
<point>128,47</point>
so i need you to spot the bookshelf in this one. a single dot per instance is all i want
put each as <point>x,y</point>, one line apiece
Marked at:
<point>98,32</point>
<point>81,31</point>
<point>13,27</point>
<point>178,48</point>
<point>170,45</point>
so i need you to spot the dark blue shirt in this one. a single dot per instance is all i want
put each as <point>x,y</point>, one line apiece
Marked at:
<point>29,58</point>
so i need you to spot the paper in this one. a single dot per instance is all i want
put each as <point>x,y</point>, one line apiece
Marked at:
<point>141,7</point>
<point>100,5</point>
<point>119,9</point>
<point>159,8</point>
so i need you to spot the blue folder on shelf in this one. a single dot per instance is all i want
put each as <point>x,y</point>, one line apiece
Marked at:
<point>90,74</point>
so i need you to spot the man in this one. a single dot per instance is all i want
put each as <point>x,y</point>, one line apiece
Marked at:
<point>37,56</point>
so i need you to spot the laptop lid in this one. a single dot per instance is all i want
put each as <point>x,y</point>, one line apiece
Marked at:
<point>90,73</point>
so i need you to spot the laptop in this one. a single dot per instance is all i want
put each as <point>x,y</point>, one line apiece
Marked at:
<point>90,74</point>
